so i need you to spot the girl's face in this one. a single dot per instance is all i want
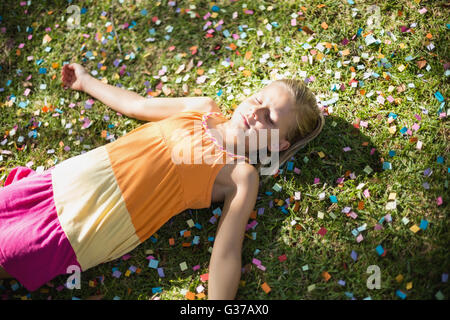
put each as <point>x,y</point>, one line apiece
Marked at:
<point>272,109</point>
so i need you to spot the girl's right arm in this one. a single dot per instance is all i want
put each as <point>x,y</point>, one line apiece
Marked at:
<point>130,103</point>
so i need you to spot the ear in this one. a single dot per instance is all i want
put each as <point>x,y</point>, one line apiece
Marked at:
<point>284,144</point>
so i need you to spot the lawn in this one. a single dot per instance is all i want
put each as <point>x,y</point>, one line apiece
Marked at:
<point>373,186</point>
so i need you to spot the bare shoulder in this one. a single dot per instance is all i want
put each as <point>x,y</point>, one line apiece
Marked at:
<point>240,174</point>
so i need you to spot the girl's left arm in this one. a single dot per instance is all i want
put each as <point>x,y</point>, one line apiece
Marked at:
<point>225,265</point>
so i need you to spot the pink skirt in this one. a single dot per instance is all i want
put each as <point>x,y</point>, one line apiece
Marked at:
<point>33,247</point>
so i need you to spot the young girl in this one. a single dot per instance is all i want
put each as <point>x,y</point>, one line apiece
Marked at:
<point>97,206</point>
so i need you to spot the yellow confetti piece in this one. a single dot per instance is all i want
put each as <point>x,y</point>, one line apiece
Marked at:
<point>401,68</point>
<point>321,154</point>
<point>320,56</point>
<point>246,73</point>
<point>91,283</point>
<point>392,129</point>
<point>392,196</point>
<point>214,15</point>
<point>200,295</point>
<point>414,228</point>
<point>345,52</point>
<point>399,278</point>
<point>409,286</point>
<point>402,46</point>
<point>127,274</point>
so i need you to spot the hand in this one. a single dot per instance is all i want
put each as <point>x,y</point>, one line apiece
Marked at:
<point>73,75</point>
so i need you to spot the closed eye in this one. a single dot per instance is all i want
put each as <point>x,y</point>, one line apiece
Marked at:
<point>268,116</point>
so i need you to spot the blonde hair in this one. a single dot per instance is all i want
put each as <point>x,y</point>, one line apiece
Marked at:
<point>308,116</point>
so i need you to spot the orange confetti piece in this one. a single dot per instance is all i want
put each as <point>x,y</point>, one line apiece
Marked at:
<point>253,214</point>
<point>429,36</point>
<point>187,234</point>
<point>103,133</point>
<point>248,55</point>
<point>233,46</point>
<point>326,276</point>
<point>200,72</point>
<point>109,28</point>
<point>18,52</point>
<point>321,6</point>
<point>345,52</point>
<point>246,73</point>
<point>266,287</point>
<point>55,65</point>
<point>360,205</point>
<point>190,295</point>
<point>186,244</point>
<point>171,241</point>
<point>324,25</point>
<point>61,144</point>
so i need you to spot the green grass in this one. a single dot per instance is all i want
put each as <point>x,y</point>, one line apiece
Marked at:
<point>420,257</point>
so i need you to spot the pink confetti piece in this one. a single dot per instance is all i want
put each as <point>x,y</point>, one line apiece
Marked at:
<point>416,126</point>
<point>380,99</point>
<point>390,99</point>
<point>304,59</point>
<point>359,238</point>
<point>439,201</point>
<point>316,180</point>
<point>256,262</point>
<point>364,124</point>
<point>346,149</point>
<point>366,193</point>
<point>353,215</point>
<point>423,10</point>
<point>21,45</point>
<point>293,22</point>
<point>27,92</point>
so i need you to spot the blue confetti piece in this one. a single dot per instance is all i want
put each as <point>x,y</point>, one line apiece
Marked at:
<point>379,250</point>
<point>392,115</point>
<point>83,10</point>
<point>152,31</point>
<point>387,166</point>
<point>211,239</point>
<point>423,224</point>
<point>350,2</point>
<point>153,239</point>
<point>290,166</point>
<point>156,290</point>
<point>354,256</point>
<point>392,153</point>
<point>116,298</point>
<point>284,210</point>
<point>75,298</point>
<point>400,294</point>
<point>219,93</point>
<point>161,272</point>
<point>198,226</point>
<point>333,199</point>
<point>217,211</point>
<point>153,263</point>
<point>439,96</point>
<point>440,159</point>
<point>215,8</point>
<point>269,193</point>
<point>403,130</point>
<point>144,12</point>
<point>42,70</point>
<point>226,33</point>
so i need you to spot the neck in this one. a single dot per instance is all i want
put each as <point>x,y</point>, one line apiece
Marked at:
<point>227,134</point>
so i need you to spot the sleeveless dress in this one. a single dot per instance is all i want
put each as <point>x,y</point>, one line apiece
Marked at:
<point>99,205</point>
